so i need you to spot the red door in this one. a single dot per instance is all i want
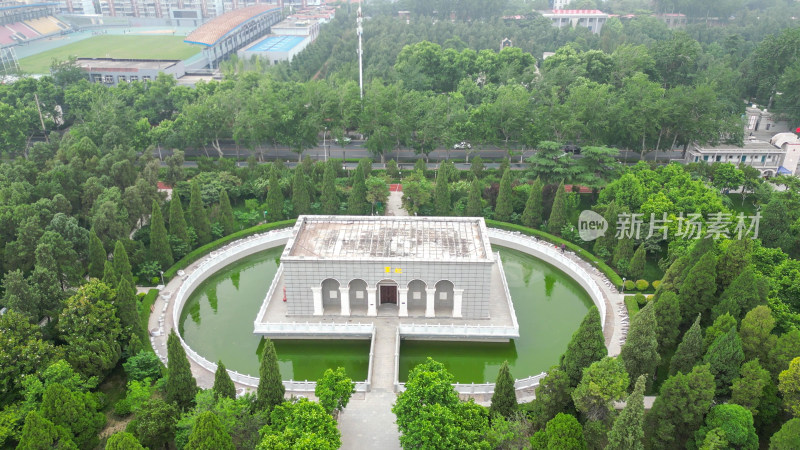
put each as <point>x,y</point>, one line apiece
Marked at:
<point>388,294</point>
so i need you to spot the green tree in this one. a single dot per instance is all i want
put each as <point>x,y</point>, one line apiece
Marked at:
<point>357,200</point>
<point>737,424</point>
<point>417,191</point>
<point>640,351</point>
<point>504,206</point>
<point>474,205</point>
<point>159,242</point>
<point>534,210</point>
<point>330,198</point>
<point>40,434</point>
<point>627,433</point>
<point>274,198</point>
<point>181,387</point>
<point>226,213</point>
<point>789,386</point>
<point>604,245</point>
<point>154,424</point>
<point>756,333</point>
<point>558,213</point>
<point>301,199</point>
<point>75,411</point>
<point>787,437</point>
<point>442,194</point>
<point>334,390</point>
<point>697,292</point>
<point>109,276</point>
<point>303,424</point>
<point>122,266</point>
<point>623,253</point>
<point>97,256</point>
<point>198,215</point>
<point>745,292</point>
<point>270,385</point>
<point>786,349</point>
<point>554,395</point>
<point>721,326</point>
<point>377,190</point>
<point>123,441</point>
<point>667,310</point>
<point>603,383</point>
<point>223,385</point>
<point>23,352</point>
<point>142,365</point>
<point>678,411</point>
<point>725,356</point>
<point>209,434</point>
<point>586,346</point>
<point>749,390</point>
<point>564,432</point>
<point>127,311</point>
<point>636,268</point>
<point>504,398</point>
<point>477,166</point>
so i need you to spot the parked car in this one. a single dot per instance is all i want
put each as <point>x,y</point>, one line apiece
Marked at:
<point>463,145</point>
<point>343,141</point>
<point>571,148</point>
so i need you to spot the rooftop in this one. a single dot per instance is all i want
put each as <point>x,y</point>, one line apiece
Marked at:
<point>126,64</point>
<point>365,237</point>
<point>217,28</point>
<point>276,44</point>
<point>576,12</point>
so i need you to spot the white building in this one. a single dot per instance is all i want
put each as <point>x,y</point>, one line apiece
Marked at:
<point>778,156</point>
<point>592,19</point>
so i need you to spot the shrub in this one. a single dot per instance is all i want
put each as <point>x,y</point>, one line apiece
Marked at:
<point>656,284</point>
<point>144,364</point>
<point>633,307</point>
<point>642,285</point>
<point>640,300</point>
<point>629,285</point>
<point>122,408</point>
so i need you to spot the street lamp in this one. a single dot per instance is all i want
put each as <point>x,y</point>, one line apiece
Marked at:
<point>162,277</point>
<point>623,285</point>
<point>324,148</point>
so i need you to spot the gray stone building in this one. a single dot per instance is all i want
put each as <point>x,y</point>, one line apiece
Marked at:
<point>431,266</point>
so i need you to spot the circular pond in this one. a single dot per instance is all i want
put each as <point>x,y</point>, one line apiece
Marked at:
<point>217,322</point>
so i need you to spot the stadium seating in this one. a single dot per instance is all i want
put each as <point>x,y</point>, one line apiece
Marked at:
<point>22,31</point>
<point>213,30</point>
<point>5,36</point>
<point>43,26</point>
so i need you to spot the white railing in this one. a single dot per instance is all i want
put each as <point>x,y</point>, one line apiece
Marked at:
<point>263,309</point>
<point>368,383</point>
<point>458,330</point>
<point>488,388</point>
<point>397,359</point>
<point>507,292</point>
<point>314,328</point>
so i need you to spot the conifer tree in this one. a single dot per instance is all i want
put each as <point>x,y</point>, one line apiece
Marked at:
<point>532,215</point>
<point>477,166</point>
<point>474,206</point>
<point>667,310</point>
<point>208,433</point>
<point>223,385</point>
<point>586,346</point>
<point>725,356</point>
<point>123,441</point>
<point>301,199</point>
<point>421,165</point>
<point>181,386</point>
<point>604,245</point>
<point>699,287</point>
<point>750,388</point>
<point>636,269</point>
<point>623,253</point>
<point>226,213</point>
<point>109,276</point>
<point>270,386</point>
<point>504,398</point>
<point>177,221</point>
<point>122,267</point>
<point>627,432</point>
<point>357,204</point>
<point>747,291</point>
<point>330,199</point>
<point>274,198</point>
<point>442,192</point>
<point>97,256</point>
<point>127,311</point>
<point>504,206</point>
<point>553,396</point>
<point>720,326</point>
<point>640,352</point>
<point>558,213</point>
<point>75,411</point>
<point>690,350</point>
<point>39,433</point>
<point>199,216</point>
<point>159,242</point>
<point>756,333</point>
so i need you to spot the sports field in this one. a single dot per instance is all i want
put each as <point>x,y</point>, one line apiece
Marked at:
<point>113,46</point>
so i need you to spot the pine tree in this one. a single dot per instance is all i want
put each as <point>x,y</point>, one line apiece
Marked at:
<point>725,357</point>
<point>159,242</point>
<point>181,386</point>
<point>421,165</point>
<point>636,269</point>
<point>504,398</point>
<point>122,267</point>
<point>301,200</point>
<point>270,386</point>
<point>41,434</point>
<point>442,193</point>
<point>357,200</point>
<point>604,245</point>
<point>109,276</point>
<point>640,352</point>
<point>330,199</point>
<point>97,256</point>
<point>532,215</point>
<point>667,310</point>
<point>75,411</point>
<point>698,290</point>
<point>586,346</point>
<point>474,205</point>
<point>756,333</point>
<point>274,198</point>
<point>123,441</point>
<point>477,166</point>
<point>558,213</point>
<point>177,221</point>
<point>623,253</point>
<point>721,326</point>
<point>504,206</point>
<point>749,389</point>
<point>209,434</point>
<point>690,350</point>
<point>223,385</point>
<point>226,213</point>
<point>127,311</point>
<point>627,433</point>
<point>199,216</point>
<point>747,291</point>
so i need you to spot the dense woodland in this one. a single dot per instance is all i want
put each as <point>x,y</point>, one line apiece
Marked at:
<point>718,334</point>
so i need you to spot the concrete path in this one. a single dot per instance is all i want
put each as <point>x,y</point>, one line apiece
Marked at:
<point>383,358</point>
<point>369,423</point>
<point>394,206</point>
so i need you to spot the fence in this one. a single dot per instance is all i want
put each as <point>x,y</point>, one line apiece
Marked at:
<point>488,388</point>
<point>458,330</point>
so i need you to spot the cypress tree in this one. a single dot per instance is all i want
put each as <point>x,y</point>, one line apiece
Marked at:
<point>477,166</point>
<point>123,441</point>
<point>274,198</point>
<point>39,433</point>
<point>532,215</point>
<point>109,276</point>
<point>604,245</point>
<point>474,206</point>
<point>586,346</point>
<point>725,356</point>
<point>627,432</point>
<point>623,253</point>
<point>698,289</point>
<point>209,434</point>
<point>504,207</point>
<point>127,311</point>
<point>75,411</point>
<point>636,269</point>
<point>689,351</point>
<point>504,398</point>
<point>181,386</point>
<point>756,333</point>
<point>747,291</point>
<point>442,192</point>
<point>667,310</point>
<point>177,221</point>
<point>159,242</point>
<point>558,214</point>
<point>198,216</point>
<point>270,386</point>
<point>122,267</point>
<point>223,385</point>
<point>750,388</point>
<point>357,200</point>
<point>553,396</point>
<point>640,352</point>
<point>504,165</point>
<point>330,199</point>
<point>421,165</point>
<point>721,326</point>
<point>300,197</point>
<point>226,213</point>
<point>97,256</point>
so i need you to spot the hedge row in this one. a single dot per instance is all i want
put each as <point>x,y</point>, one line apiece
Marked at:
<point>199,252</point>
<point>632,305</point>
<point>597,262</point>
<point>144,312</point>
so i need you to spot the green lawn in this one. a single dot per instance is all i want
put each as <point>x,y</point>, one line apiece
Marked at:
<point>113,46</point>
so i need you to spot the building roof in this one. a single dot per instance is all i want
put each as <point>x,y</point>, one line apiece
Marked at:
<point>576,12</point>
<point>217,28</point>
<point>121,65</point>
<point>750,145</point>
<point>381,238</point>
<point>282,43</point>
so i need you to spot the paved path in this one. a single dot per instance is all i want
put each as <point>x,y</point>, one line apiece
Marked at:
<point>369,423</point>
<point>394,206</point>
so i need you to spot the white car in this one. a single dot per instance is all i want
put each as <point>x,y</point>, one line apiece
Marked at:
<point>463,145</point>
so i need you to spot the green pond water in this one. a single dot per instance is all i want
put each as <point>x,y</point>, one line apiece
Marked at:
<point>217,322</point>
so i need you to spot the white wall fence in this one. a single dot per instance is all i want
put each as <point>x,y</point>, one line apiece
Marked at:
<point>488,388</point>
<point>433,330</point>
<point>306,329</point>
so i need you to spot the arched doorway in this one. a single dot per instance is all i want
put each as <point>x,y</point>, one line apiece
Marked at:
<point>331,297</point>
<point>417,297</point>
<point>387,292</point>
<point>358,297</point>
<point>443,300</point>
